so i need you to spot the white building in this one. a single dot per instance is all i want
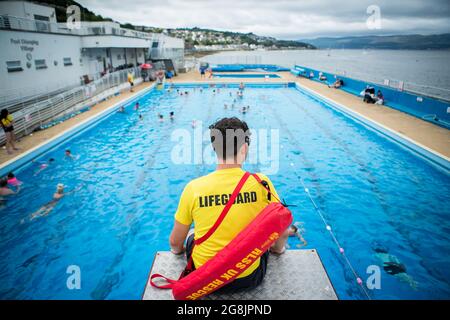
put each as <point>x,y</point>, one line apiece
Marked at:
<point>39,55</point>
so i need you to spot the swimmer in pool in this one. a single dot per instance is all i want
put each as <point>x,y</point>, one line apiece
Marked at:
<point>136,106</point>
<point>172,115</point>
<point>48,207</point>
<point>5,190</point>
<point>12,180</point>
<point>296,230</point>
<point>44,166</point>
<point>141,117</point>
<point>121,109</point>
<point>160,117</point>
<point>393,266</point>
<point>69,154</point>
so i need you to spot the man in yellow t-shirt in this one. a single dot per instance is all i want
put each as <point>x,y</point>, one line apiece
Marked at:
<point>204,198</point>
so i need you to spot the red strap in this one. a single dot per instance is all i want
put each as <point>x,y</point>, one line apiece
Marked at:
<point>225,209</point>
<point>164,286</point>
<point>268,190</point>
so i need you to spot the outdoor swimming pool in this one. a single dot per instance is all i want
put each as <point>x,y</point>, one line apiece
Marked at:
<point>246,75</point>
<point>377,196</point>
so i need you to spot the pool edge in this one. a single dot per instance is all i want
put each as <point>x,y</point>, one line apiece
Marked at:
<point>21,160</point>
<point>431,156</point>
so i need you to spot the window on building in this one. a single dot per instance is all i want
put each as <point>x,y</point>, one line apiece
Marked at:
<point>40,64</point>
<point>67,61</point>
<point>42,23</point>
<point>14,66</point>
<point>119,57</point>
<point>155,44</point>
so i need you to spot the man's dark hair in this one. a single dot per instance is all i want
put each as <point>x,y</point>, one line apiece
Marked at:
<point>228,135</point>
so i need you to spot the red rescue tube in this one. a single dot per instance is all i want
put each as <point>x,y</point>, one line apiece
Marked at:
<point>250,244</point>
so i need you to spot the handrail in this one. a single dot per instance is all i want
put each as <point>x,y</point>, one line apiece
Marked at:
<point>26,120</point>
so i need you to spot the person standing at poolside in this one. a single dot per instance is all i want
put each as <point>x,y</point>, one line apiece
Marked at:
<point>131,81</point>
<point>7,122</point>
<point>203,199</point>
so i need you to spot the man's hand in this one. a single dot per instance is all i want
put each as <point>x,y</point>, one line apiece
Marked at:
<point>177,252</point>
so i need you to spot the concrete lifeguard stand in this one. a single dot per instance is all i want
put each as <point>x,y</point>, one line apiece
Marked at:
<point>294,275</point>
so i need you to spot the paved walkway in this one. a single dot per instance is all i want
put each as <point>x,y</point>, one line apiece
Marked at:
<point>41,136</point>
<point>425,133</point>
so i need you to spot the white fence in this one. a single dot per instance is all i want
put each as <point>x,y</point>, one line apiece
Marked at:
<point>26,120</point>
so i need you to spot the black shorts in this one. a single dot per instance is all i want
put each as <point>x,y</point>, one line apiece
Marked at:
<point>8,129</point>
<point>249,282</point>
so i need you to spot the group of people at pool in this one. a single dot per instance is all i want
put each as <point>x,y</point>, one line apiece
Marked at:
<point>11,185</point>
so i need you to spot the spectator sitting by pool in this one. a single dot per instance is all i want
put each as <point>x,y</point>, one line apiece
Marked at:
<point>337,84</point>
<point>322,77</point>
<point>5,190</point>
<point>369,95</point>
<point>230,138</point>
<point>380,98</point>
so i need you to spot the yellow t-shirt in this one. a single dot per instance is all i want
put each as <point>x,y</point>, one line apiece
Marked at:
<point>7,121</point>
<point>203,200</point>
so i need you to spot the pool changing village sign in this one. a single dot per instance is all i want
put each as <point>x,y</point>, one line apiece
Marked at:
<point>25,45</point>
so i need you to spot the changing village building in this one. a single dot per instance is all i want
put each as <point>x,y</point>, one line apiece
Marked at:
<point>39,55</point>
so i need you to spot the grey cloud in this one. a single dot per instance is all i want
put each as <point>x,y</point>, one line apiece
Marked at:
<point>283,18</point>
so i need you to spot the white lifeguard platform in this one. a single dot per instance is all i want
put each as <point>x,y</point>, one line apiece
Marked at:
<point>294,275</point>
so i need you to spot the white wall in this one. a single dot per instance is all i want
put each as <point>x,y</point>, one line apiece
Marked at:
<point>26,10</point>
<point>50,47</point>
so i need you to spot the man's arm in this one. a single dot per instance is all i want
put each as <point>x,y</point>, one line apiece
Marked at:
<point>177,237</point>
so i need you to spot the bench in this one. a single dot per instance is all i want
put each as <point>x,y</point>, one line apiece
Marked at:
<point>295,275</point>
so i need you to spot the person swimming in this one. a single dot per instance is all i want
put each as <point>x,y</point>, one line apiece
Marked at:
<point>12,180</point>
<point>68,154</point>
<point>141,117</point>
<point>172,115</point>
<point>48,207</point>
<point>136,106</point>
<point>5,190</point>
<point>296,230</point>
<point>160,117</point>
<point>44,166</point>
<point>392,265</point>
<point>121,109</point>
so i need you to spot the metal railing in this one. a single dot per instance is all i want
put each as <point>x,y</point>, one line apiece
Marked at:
<point>26,120</point>
<point>419,89</point>
<point>86,28</point>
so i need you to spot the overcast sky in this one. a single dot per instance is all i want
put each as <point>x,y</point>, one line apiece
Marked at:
<point>284,19</point>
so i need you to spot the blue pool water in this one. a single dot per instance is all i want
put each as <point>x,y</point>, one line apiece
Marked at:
<point>246,75</point>
<point>376,196</point>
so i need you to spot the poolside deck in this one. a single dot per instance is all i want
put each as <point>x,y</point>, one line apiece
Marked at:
<point>424,133</point>
<point>307,281</point>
